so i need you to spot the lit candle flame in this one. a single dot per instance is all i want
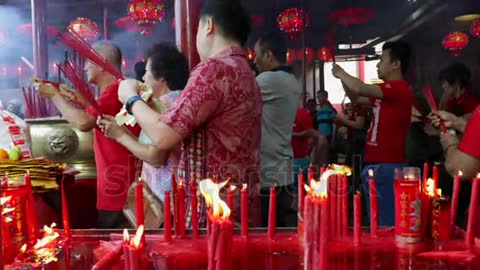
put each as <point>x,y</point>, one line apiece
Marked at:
<point>135,242</point>
<point>430,187</point>
<point>232,188</point>
<point>460,173</point>
<point>244,186</point>
<point>439,192</point>
<point>370,173</point>
<point>126,236</point>
<point>23,249</point>
<point>211,193</point>
<point>318,189</point>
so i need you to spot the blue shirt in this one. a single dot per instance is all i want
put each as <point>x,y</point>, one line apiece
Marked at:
<point>324,117</point>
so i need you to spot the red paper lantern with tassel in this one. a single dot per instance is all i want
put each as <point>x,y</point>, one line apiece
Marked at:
<point>325,53</point>
<point>455,42</point>
<point>85,28</point>
<point>475,28</point>
<point>291,55</point>
<point>292,21</point>
<point>146,13</point>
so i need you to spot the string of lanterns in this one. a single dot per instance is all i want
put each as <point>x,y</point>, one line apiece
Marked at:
<point>323,53</point>
<point>456,41</point>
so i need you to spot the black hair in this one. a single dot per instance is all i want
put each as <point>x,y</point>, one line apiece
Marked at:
<point>275,43</point>
<point>454,73</point>
<point>399,51</point>
<point>168,63</point>
<point>140,70</point>
<point>230,16</point>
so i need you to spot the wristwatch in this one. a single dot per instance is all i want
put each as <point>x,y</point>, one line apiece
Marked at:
<point>130,101</point>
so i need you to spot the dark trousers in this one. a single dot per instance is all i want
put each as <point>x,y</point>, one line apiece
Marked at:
<point>286,200</point>
<point>112,220</point>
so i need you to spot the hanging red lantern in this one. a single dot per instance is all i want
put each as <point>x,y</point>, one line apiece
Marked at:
<point>455,42</point>
<point>475,28</point>
<point>309,54</point>
<point>292,21</point>
<point>291,55</point>
<point>250,54</point>
<point>85,28</point>
<point>325,53</point>
<point>146,13</point>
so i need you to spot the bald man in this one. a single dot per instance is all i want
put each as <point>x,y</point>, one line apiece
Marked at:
<point>115,164</point>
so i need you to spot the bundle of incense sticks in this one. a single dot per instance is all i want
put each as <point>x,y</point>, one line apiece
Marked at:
<point>35,105</point>
<point>78,44</point>
<point>75,75</point>
<point>427,91</point>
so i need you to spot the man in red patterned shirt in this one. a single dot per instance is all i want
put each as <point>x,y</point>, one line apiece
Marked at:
<point>218,116</point>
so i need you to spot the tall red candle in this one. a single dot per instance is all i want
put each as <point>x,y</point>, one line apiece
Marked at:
<point>230,196</point>
<point>435,176</point>
<point>331,206</point>
<point>440,225</point>
<point>308,233</point>
<point>135,258</point>
<point>139,206</point>
<point>272,213</point>
<point>2,254</point>
<point>181,209</point>
<point>373,205</point>
<point>167,218</point>
<point>333,202</point>
<point>175,204</point>
<point>65,216</point>
<point>357,219</point>
<point>323,257</point>
<point>33,229</point>
<point>426,170</point>
<point>301,192</point>
<point>310,174</point>
<point>472,212</point>
<point>108,261</point>
<point>345,204</point>
<point>194,204</point>
<point>244,210</point>
<point>126,240</point>
<point>454,204</point>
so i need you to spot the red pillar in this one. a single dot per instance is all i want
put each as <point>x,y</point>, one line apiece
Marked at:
<point>39,34</point>
<point>106,32</point>
<point>187,14</point>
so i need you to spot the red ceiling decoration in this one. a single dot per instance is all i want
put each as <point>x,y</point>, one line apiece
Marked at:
<point>26,29</point>
<point>146,13</point>
<point>455,42</point>
<point>86,28</point>
<point>475,28</point>
<point>354,15</point>
<point>292,21</point>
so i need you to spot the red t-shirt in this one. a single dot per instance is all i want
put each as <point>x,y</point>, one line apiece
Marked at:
<point>470,144</point>
<point>464,104</point>
<point>115,164</point>
<point>389,127</point>
<point>303,121</point>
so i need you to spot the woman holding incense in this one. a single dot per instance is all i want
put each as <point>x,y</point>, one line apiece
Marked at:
<point>166,72</point>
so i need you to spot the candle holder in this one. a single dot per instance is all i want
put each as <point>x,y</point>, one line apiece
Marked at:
<point>408,206</point>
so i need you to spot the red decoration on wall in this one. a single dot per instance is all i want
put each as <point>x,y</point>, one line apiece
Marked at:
<point>85,27</point>
<point>354,15</point>
<point>475,28</point>
<point>146,12</point>
<point>309,54</point>
<point>455,42</point>
<point>325,53</point>
<point>291,55</point>
<point>26,29</point>
<point>292,21</point>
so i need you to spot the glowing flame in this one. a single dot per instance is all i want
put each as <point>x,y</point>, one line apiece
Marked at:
<point>211,193</point>
<point>319,188</point>
<point>6,210</point>
<point>23,249</point>
<point>439,192</point>
<point>244,186</point>
<point>135,242</point>
<point>232,188</point>
<point>460,173</point>
<point>46,248</point>
<point>370,173</point>
<point>430,187</point>
<point>126,236</point>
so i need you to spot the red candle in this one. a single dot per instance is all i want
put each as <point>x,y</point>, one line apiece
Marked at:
<point>65,216</point>
<point>310,173</point>
<point>220,239</point>
<point>357,219</point>
<point>181,209</point>
<point>344,204</point>
<point>167,218</point>
<point>331,205</point>
<point>194,204</point>
<point>426,170</point>
<point>323,260</point>
<point>31,212</point>
<point>472,212</point>
<point>426,199</point>
<point>135,260</point>
<point>126,256</point>
<point>108,261</point>
<point>334,207</point>
<point>301,192</point>
<point>454,204</point>
<point>175,204</point>
<point>440,226</point>
<point>244,210</point>
<point>230,196</point>
<point>1,239</point>
<point>139,205</point>
<point>272,213</point>
<point>373,204</point>
<point>308,234</point>
<point>435,177</point>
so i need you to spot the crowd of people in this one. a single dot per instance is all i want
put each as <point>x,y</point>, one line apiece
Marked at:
<point>224,121</point>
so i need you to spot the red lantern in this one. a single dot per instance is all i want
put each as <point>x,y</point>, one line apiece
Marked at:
<point>291,55</point>
<point>309,54</point>
<point>250,54</point>
<point>475,28</point>
<point>325,53</point>
<point>292,21</point>
<point>85,28</point>
<point>455,42</point>
<point>146,12</point>
<point>3,36</point>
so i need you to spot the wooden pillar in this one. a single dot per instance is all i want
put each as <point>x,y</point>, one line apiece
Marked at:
<point>39,34</point>
<point>187,14</point>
